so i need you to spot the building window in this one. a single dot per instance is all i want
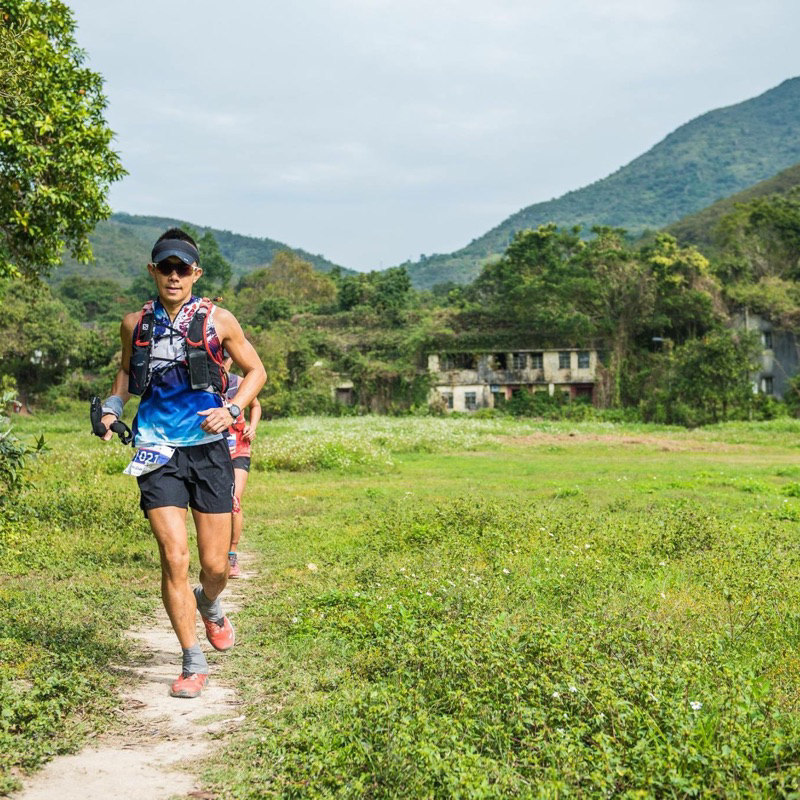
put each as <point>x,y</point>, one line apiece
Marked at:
<point>537,360</point>
<point>344,396</point>
<point>500,360</point>
<point>448,361</point>
<point>767,385</point>
<point>519,360</point>
<point>583,359</point>
<point>448,399</point>
<point>470,401</point>
<point>563,360</point>
<point>767,337</point>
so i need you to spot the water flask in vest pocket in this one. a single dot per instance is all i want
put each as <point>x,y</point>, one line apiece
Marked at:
<point>137,374</point>
<point>198,369</point>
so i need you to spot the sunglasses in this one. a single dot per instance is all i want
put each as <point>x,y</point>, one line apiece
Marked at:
<point>166,269</point>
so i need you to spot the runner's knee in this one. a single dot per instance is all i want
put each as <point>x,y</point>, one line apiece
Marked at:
<point>215,569</point>
<point>175,559</point>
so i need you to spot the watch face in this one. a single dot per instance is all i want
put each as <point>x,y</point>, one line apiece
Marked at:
<point>235,410</point>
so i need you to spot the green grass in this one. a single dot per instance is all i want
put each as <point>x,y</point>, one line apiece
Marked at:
<point>77,568</point>
<point>458,607</point>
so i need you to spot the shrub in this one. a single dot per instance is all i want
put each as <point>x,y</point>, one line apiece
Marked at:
<point>14,454</point>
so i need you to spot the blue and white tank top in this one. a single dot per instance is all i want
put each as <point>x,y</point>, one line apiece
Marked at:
<point>168,408</point>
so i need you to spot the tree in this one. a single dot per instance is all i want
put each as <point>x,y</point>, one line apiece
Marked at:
<point>687,296</point>
<point>216,268</point>
<point>294,279</point>
<point>39,341</point>
<point>761,238</point>
<point>56,163</point>
<point>713,375</point>
<point>392,289</point>
<point>95,300</point>
<point>539,284</point>
<point>618,295</point>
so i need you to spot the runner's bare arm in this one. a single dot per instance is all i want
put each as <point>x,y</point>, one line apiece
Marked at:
<point>120,385</point>
<point>244,355</point>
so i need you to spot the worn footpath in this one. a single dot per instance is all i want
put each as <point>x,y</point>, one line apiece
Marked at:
<point>162,739</point>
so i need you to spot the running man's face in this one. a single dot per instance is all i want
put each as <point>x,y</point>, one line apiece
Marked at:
<point>176,285</point>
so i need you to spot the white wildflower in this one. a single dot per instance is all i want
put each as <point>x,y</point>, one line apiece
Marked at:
<point>312,567</point>
<point>573,689</point>
<point>556,695</point>
<point>696,705</point>
<point>506,571</point>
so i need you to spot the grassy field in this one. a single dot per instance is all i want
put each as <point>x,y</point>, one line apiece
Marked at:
<point>447,608</point>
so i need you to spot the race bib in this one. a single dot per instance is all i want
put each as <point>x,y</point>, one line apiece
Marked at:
<point>148,459</point>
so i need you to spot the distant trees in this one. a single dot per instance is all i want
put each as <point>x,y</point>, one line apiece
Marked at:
<point>217,270</point>
<point>386,292</point>
<point>761,239</point>
<point>289,284</point>
<point>759,257</point>
<point>571,290</point>
<point>56,161</point>
<point>712,377</point>
<point>95,300</point>
<point>39,341</point>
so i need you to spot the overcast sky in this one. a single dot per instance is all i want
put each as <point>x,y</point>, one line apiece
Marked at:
<point>371,131</point>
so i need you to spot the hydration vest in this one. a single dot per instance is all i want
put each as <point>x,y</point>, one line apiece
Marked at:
<point>205,367</point>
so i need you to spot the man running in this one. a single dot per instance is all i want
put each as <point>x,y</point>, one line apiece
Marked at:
<point>172,354</point>
<point>240,437</point>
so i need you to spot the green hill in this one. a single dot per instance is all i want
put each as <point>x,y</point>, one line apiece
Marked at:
<point>122,246</point>
<point>698,228</point>
<point>711,157</point>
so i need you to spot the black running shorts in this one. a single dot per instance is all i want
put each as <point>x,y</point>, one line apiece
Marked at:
<point>200,476</point>
<point>241,462</point>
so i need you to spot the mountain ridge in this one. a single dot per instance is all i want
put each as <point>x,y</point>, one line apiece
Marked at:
<point>707,158</point>
<point>121,247</point>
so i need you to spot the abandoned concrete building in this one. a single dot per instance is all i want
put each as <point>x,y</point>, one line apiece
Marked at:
<point>470,381</point>
<point>780,360</point>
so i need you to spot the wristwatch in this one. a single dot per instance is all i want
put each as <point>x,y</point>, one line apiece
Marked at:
<point>234,410</point>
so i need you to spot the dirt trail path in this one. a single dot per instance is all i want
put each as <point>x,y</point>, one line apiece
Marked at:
<point>163,738</point>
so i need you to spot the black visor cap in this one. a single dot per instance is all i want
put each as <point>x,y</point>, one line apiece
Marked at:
<point>185,251</point>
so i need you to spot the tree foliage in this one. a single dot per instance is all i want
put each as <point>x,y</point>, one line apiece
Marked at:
<point>56,161</point>
<point>386,292</point>
<point>761,239</point>
<point>712,375</point>
<point>217,270</point>
<point>95,300</point>
<point>294,279</point>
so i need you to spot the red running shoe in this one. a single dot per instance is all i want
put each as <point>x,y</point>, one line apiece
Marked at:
<point>189,685</point>
<point>222,637</point>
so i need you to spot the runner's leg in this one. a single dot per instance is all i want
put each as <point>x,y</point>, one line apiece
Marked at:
<point>239,483</point>
<point>213,538</point>
<point>169,528</point>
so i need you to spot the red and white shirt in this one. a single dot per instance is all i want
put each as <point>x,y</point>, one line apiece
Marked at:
<point>238,445</point>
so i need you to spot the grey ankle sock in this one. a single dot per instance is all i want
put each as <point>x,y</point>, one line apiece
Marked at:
<point>194,661</point>
<point>209,609</point>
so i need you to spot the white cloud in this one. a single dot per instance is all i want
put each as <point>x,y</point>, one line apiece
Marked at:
<point>428,122</point>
